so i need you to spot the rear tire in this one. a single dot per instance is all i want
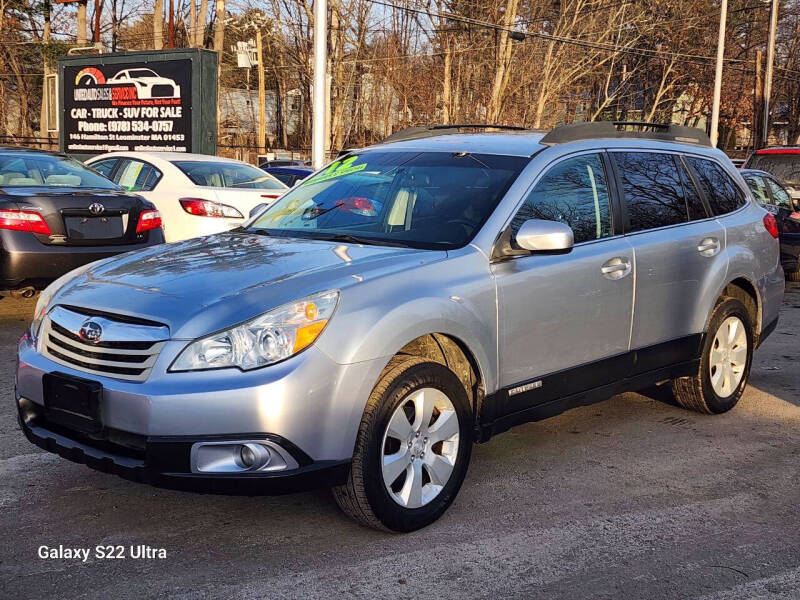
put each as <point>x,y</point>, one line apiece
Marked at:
<point>414,404</point>
<point>724,364</point>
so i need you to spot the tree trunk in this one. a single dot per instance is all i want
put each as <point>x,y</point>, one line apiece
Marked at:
<point>541,100</point>
<point>447,92</point>
<point>262,96</point>
<point>503,62</point>
<point>191,26</point>
<point>200,37</point>
<point>219,41</point>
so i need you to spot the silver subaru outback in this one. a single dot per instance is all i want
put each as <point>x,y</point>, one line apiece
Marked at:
<point>404,302</point>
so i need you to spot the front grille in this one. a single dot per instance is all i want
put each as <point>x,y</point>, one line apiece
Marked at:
<point>130,359</point>
<point>162,91</point>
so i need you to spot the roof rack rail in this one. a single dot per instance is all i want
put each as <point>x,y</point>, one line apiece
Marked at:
<point>416,133</point>
<point>626,129</point>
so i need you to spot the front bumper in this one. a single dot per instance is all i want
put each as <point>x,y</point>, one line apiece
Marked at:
<point>308,405</point>
<point>163,461</point>
<point>24,260</point>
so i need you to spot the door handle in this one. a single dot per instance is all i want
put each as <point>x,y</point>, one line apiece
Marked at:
<point>616,268</point>
<point>709,246</point>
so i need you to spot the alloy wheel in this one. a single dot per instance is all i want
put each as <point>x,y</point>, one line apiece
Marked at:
<point>420,446</point>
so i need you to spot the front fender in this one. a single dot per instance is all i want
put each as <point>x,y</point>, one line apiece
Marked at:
<point>455,297</point>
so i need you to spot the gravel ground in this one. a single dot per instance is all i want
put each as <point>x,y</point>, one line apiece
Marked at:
<point>631,498</point>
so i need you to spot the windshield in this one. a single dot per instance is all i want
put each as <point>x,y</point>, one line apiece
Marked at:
<point>142,73</point>
<point>435,200</point>
<point>228,174</point>
<point>786,167</point>
<point>45,170</point>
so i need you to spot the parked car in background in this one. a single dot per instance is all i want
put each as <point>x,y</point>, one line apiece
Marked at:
<point>738,162</point>
<point>783,163</point>
<point>402,303</point>
<point>196,194</point>
<point>768,192</point>
<point>289,175</point>
<point>283,162</point>
<point>57,215</point>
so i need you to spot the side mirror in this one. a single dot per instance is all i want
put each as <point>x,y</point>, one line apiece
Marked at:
<point>538,235</point>
<point>257,209</point>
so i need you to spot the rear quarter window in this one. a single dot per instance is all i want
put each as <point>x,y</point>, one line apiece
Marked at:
<point>723,195</point>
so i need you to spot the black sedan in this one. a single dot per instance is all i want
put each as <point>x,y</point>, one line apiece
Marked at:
<point>773,196</point>
<point>56,215</point>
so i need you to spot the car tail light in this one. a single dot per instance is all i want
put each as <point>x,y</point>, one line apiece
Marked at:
<point>23,220</point>
<point>778,151</point>
<point>359,206</point>
<point>148,219</point>
<point>208,208</point>
<point>771,225</point>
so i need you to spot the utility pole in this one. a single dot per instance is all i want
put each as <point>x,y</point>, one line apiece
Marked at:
<point>81,23</point>
<point>723,17</point>
<point>319,103</point>
<point>43,132</point>
<point>758,102</point>
<point>773,26</point>
<point>158,24</point>
<point>262,96</point>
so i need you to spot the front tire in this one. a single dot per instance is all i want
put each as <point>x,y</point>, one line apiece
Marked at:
<point>412,450</point>
<point>724,364</point>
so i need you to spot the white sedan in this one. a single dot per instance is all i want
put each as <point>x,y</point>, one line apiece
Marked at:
<point>196,194</point>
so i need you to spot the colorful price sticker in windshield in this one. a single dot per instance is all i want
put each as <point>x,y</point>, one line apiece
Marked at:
<point>338,169</point>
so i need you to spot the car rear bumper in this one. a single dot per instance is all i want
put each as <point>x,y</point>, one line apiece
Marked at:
<point>25,261</point>
<point>790,252</point>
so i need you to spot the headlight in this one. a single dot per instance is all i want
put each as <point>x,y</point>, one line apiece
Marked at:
<point>43,303</point>
<point>272,337</point>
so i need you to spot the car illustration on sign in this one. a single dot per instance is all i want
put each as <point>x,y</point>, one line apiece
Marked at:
<point>147,82</point>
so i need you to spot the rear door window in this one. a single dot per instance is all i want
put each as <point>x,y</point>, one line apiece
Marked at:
<point>779,195</point>
<point>721,191</point>
<point>653,189</point>
<point>105,166</point>
<point>759,188</point>
<point>694,202</point>
<point>137,176</point>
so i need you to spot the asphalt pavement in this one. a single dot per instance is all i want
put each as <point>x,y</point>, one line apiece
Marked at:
<point>630,498</point>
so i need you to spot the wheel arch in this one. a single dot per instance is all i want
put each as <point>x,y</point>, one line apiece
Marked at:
<point>744,290</point>
<point>452,352</point>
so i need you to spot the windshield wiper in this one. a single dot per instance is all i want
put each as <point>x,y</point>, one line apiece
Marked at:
<point>354,239</point>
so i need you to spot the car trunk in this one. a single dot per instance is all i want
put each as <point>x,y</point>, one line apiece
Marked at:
<point>81,217</point>
<point>245,199</point>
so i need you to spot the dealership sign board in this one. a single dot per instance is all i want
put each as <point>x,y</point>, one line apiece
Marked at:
<point>139,101</point>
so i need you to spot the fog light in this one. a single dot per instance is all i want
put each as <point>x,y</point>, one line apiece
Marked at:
<point>252,456</point>
<point>247,456</point>
<point>239,457</point>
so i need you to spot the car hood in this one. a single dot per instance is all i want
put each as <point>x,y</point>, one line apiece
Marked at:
<point>205,284</point>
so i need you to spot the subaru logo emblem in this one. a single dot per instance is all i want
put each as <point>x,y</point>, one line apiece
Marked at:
<point>91,331</point>
<point>96,208</point>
